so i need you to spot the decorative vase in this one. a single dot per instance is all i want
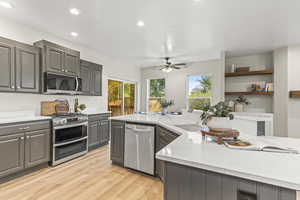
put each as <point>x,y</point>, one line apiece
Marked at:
<point>219,123</point>
<point>239,107</point>
<point>164,111</point>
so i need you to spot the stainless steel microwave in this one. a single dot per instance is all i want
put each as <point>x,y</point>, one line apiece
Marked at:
<point>61,84</point>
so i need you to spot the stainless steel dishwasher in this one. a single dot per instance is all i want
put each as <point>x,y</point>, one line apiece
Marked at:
<point>139,148</point>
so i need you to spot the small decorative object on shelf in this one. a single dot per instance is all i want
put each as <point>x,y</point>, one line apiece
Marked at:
<point>242,69</point>
<point>240,102</point>
<point>217,117</point>
<point>269,87</point>
<point>165,104</point>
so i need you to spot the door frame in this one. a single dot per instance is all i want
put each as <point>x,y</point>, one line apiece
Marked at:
<point>135,93</point>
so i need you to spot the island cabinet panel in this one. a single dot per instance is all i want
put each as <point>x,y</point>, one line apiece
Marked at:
<point>98,133</point>
<point>163,138</point>
<point>187,183</point>
<point>117,142</point>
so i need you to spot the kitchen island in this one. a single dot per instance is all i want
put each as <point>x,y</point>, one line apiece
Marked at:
<point>196,167</point>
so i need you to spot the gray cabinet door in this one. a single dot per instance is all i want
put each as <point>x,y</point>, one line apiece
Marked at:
<point>213,186</point>
<point>72,64</point>
<point>11,154</point>
<point>117,142</point>
<point>92,82</point>
<point>104,131</point>
<point>98,82</point>
<point>55,59</point>
<point>7,69</point>
<point>94,135</point>
<point>85,77</point>
<point>37,147</point>
<point>27,69</point>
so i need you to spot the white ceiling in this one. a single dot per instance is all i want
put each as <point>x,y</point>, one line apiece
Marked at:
<point>197,29</point>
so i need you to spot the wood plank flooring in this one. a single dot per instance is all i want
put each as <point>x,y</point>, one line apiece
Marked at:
<point>91,177</point>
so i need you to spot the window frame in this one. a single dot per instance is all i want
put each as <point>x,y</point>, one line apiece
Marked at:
<point>187,89</point>
<point>148,91</point>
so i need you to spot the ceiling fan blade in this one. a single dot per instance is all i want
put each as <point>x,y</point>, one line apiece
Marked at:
<point>174,67</point>
<point>180,64</point>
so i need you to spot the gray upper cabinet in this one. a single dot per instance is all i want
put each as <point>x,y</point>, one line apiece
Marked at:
<point>58,59</point>
<point>7,63</point>
<point>72,63</point>
<point>20,67</point>
<point>54,59</point>
<point>11,154</point>
<point>37,147</point>
<point>27,69</point>
<point>85,76</point>
<point>117,141</point>
<point>91,75</point>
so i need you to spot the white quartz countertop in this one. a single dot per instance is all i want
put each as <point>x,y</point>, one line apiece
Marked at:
<point>96,112</point>
<point>191,149</point>
<point>20,116</point>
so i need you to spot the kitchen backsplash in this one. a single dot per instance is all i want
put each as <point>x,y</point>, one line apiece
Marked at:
<point>10,102</point>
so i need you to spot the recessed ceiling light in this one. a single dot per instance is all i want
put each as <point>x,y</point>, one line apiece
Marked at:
<point>74,34</point>
<point>140,23</point>
<point>6,4</point>
<point>74,11</point>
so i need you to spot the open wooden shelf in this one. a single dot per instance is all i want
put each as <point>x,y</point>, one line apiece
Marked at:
<point>295,94</point>
<point>250,73</point>
<point>248,93</point>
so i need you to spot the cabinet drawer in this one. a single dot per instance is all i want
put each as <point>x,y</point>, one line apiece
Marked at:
<point>24,127</point>
<point>98,117</point>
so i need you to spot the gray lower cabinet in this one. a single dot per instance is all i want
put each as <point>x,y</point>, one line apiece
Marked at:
<point>20,67</point>
<point>23,146</point>
<point>187,183</point>
<point>98,134</point>
<point>37,147</point>
<point>11,154</point>
<point>117,141</point>
<point>91,75</point>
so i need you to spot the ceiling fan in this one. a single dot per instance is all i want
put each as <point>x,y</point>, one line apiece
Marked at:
<point>169,66</point>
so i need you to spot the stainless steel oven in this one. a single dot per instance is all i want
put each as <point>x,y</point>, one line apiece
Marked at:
<point>61,84</point>
<point>69,141</point>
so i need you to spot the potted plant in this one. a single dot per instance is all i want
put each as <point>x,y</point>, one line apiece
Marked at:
<point>165,104</point>
<point>217,117</point>
<point>240,102</point>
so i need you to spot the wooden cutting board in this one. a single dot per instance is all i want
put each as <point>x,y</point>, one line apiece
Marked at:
<point>48,108</point>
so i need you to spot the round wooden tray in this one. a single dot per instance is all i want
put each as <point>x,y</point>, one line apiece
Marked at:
<point>220,135</point>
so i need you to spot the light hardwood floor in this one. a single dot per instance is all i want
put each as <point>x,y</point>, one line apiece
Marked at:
<point>91,177</point>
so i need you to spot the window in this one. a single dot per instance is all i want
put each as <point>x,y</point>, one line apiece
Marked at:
<point>156,92</point>
<point>121,97</point>
<point>199,91</point>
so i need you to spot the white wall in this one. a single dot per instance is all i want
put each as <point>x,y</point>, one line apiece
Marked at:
<point>258,103</point>
<point>293,84</point>
<point>176,82</point>
<point>112,68</point>
<point>281,93</point>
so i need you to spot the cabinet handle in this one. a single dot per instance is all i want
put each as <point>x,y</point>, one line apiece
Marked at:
<point>62,70</point>
<point>27,137</point>
<point>25,128</point>
<point>18,87</point>
<point>22,138</point>
<point>12,87</point>
<point>66,70</point>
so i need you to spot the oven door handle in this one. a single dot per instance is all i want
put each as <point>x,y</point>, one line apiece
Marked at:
<point>70,142</point>
<point>71,126</point>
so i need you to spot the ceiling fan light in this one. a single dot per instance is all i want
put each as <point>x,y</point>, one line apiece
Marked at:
<point>167,69</point>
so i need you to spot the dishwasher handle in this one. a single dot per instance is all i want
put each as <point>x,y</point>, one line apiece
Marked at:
<point>136,129</point>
